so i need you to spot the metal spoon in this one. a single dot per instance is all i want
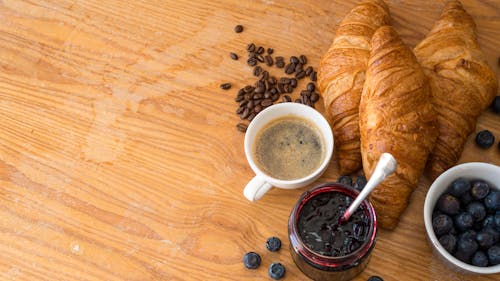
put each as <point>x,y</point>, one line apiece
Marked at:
<point>386,165</point>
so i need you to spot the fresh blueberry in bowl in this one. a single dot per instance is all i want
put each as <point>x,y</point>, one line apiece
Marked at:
<point>494,255</point>
<point>492,201</point>
<point>477,210</point>
<point>480,259</point>
<point>448,204</point>
<point>459,187</point>
<point>442,224</point>
<point>464,221</point>
<point>479,189</point>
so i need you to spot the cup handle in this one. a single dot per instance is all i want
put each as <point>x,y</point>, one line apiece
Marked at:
<point>256,188</point>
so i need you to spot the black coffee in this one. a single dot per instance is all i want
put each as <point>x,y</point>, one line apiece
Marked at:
<point>289,148</point>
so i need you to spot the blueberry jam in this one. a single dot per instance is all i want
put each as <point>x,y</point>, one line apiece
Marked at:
<point>320,230</point>
<point>321,246</point>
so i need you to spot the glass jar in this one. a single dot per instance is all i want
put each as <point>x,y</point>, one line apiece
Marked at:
<point>321,267</point>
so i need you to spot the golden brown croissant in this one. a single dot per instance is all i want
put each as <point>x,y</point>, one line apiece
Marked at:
<point>461,82</point>
<point>341,75</point>
<point>396,116</point>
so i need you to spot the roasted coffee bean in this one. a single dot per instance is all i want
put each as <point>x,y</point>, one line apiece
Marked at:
<point>314,97</point>
<point>267,95</point>
<point>264,75</point>
<point>284,80</point>
<point>260,50</point>
<point>252,62</point>
<point>251,116</point>
<point>273,91</point>
<point>286,98</point>
<point>279,58</point>
<point>234,56</point>
<point>270,51</point>
<point>245,113</point>
<point>257,101</point>
<point>248,96</point>
<point>311,87</point>
<point>314,76</point>
<point>251,47</point>
<point>260,58</point>
<point>248,88</point>
<point>293,82</point>
<point>269,60</point>
<point>298,67</point>
<point>241,92</point>
<point>280,88</point>
<point>298,101</point>
<point>303,99</point>
<point>250,104</point>
<point>266,102</point>
<point>225,86</point>
<point>239,98</point>
<point>258,108</point>
<point>303,59</point>
<point>271,80</point>
<point>242,127</point>
<point>258,96</point>
<point>305,93</point>
<point>301,74</point>
<point>289,88</point>
<point>294,60</point>
<point>238,28</point>
<point>240,109</point>
<point>275,97</point>
<point>309,70</point>
<point>280,64</point>
<point>289,68</point>
<point>257,70</point>
<point>243,103</point>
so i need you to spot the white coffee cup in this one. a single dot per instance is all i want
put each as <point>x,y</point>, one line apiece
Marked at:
<point>263,182</point>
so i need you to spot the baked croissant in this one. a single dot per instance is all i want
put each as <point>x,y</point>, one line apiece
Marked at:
<point>461,81</point>
<point>341,75</point>
<point>396,116</point>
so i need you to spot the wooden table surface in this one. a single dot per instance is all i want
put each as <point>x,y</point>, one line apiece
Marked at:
<point>119,156</point>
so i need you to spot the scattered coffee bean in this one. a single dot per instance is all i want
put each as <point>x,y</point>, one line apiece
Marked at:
<point>266,102</point>
<point>240,110</point>
<point>279,58</point>
<point>248,88</point>
<point>252,62</point>
<point>294,60</point>
<point>260,50</point>
<point>275,97</point>
<point>242,127</point>
<point>309,70</point>
<point>264,76</point>
<point>284,80</point>
<point>258,108</point>
<point>225,86</point>
<point>288,88</point>
<point>250,104</point>
<point>260,58</point>
<point>251,47</point>
<point>305,93</point>
<point>238,28</point>
<point>239,98</point>
<point>298,67</point>
<point>301,74</point>
<point>293,82</point>
<point>273,91</point>
<point>251,116</point>
<point>289,68</point>
<point>311,87</point>
<point>270,51</point>
<point>269,60</point>
<point>234,56</point>
<point>286,98</point>
<point>314,76</point>
<point>314,97</point>
<point>298,100</point>
<point>271,81</point>
<point>257,70</point>
<point>245,113</point>
<point>280,64</point>
<point>303,59</point>
<point>267,95</point>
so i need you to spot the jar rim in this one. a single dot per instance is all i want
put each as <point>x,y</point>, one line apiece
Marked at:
<point>315,258</point>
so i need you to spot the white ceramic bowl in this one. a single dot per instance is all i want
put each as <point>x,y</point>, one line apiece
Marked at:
<point>473,170</point>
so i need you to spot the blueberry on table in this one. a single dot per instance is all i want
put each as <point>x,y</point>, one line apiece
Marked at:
<point>448,242</point>
<point>485,239</point>
<point>480,259</point>
<point>479,189</point>
<point>495,105</point>
<point>448,204</point>
<point>485,139</point>
<point>464,221</point>
<point>345,180</point>
<point>360,182</point>
<point>375,278</point>
<point>442,224</point>
<point>466,245</point>
<point>273,244</point>
<point>251,260</point>
<point>492,201</point>
<point>477,210</point>
<point>276,271</point>
<point>459,186</point>
<point>494,255</point>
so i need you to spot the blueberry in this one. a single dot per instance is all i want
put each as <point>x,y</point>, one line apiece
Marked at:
<point>448,242</point>
<point>479,189</point>
<point>448,204</point>
<point>360,182</point>
<point>480,259</point>
<point>485,139</point>
<point>494,233</point>
<point>437,212</point>
<point>469,234</point>
<point>466,245</point>
<point>489,221</point>
<point>492,201</point>
<point>459,187</point>
<point>485,239</point>
<point>276,270</point>
<point>466,198</point>
<point>442,224</point>
<point>496,220</point>
<point>251,260</point>
<point>495,105</point>
<point>494,255</point>
<point>464,221</point>
<point>273,244</point>
<point>465,257</point>
<point>345,180</point>
<point>375,278</point>
<point>477,210</point>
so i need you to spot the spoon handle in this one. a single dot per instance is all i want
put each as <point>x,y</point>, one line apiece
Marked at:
<point>386,165</point>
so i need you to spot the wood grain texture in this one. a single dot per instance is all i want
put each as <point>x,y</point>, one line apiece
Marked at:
<point>119,157</point>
